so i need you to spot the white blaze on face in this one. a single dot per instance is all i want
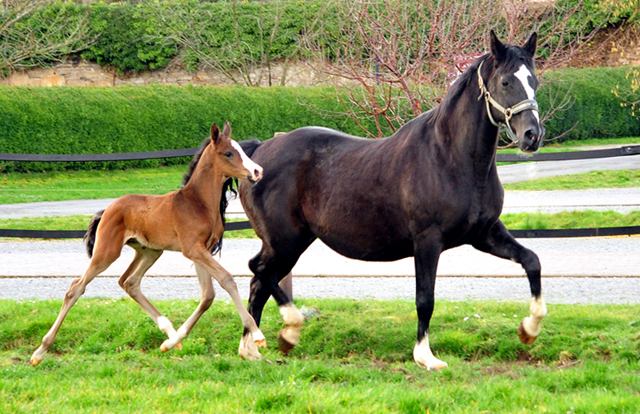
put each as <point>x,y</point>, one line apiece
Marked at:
<point>247,163</point>
<point>523,75</point>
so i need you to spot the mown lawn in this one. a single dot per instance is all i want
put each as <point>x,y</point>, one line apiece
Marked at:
<point>355,357</point>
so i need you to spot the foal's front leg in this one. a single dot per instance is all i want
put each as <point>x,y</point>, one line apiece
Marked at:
<point>206,265</point>
<point>499,242</point>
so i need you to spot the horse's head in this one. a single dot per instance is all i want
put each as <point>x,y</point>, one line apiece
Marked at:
<point>510,91</point>
<point>232,160</point>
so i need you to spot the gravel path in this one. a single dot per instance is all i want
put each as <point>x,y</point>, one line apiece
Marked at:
<point>589,270</point>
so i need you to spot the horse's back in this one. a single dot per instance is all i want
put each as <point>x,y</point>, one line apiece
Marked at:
<point>318,180</point>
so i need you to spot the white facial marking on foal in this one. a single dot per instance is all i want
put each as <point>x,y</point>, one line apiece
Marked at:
<point>523,75</point>
<point>246,161</point>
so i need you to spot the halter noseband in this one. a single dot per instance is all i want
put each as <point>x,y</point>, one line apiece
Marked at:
<point>525,105</point>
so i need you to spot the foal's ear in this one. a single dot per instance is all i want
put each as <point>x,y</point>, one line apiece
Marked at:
<point>215,134</point>
<point>226,132</point>
<point>498,50</point>
<point>531,44</point>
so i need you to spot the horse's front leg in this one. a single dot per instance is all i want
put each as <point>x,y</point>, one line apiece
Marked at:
<point>427,249</point>
<point>499,242</point>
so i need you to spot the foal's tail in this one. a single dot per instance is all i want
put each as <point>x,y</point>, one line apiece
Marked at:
<point>90,236</point>
<point>250,146</point>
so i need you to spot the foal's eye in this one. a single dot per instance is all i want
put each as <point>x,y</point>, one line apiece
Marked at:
<point>228,154</point>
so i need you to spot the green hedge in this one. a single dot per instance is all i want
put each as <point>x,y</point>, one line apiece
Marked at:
<point>77,120</point>
<point>595,112</point>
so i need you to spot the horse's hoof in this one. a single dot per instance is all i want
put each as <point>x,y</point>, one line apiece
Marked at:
<point>525,338</point>
<point>178,347</point>
<point>35,361</point>
<point>284,345</point>
<point>262,343</point>
<point>435,365</point>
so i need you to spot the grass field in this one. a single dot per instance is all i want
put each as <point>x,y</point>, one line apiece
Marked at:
<point>355,357</point>
<point>78,185</point>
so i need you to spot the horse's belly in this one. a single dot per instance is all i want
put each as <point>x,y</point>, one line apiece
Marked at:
<point>365,248</point>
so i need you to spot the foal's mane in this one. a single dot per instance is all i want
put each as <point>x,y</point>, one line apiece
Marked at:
<point>228,186</point>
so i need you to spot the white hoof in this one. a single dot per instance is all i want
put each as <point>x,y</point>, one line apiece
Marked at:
<point>424,357</point>
<point>248,349</point>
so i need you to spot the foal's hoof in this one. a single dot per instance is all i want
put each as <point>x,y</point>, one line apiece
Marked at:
<point>262,343</point>
<point>284,345</point>
<point>166,346</point>
<point>35,361</point>
<point>525,338</point>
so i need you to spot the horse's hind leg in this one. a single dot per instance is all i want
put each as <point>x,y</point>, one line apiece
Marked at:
<point>101,260</point>
<point>269,268</point>
<point>501,244</point>
<point>130,282</point>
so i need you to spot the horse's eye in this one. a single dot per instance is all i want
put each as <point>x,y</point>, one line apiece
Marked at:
<point>228,154</point>
<point>505,82</point>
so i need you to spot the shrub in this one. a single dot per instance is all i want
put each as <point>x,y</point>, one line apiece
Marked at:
<point>596,112</point>
<point>76,120</point>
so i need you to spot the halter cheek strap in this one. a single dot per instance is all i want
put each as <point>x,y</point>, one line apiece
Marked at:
<point>525,105</point>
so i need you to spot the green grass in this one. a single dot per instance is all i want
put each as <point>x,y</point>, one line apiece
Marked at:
<point>83,185</point>
<point>357,357</point>
<point>590,180</point>
<point>79,185</point>
<point>520,221</point>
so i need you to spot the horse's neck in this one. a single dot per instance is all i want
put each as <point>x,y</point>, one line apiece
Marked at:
<point>474,136</point>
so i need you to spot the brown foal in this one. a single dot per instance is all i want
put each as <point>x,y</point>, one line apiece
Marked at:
<point>188,220</point>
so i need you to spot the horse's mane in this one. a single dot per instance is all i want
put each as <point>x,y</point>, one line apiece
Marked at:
<point>514,56</point>
<point>228,186</point>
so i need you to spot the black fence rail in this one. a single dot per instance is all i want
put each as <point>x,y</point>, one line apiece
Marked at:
<point>187,152</point>
<point>243,225</point>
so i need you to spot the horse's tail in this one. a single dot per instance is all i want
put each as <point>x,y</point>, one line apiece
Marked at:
<point>90,236</point>
<point>250,146</point>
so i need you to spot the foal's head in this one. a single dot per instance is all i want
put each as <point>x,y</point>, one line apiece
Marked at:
<point>511,87</point>
<point>231,160</point>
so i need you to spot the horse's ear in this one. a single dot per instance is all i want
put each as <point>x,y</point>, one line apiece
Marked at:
<point>215,134</point>
<point>226,132</point>
<point>531,44</point>
<point>498,50</point>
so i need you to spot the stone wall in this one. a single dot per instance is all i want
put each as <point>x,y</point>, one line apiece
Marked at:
<point>83,73</point>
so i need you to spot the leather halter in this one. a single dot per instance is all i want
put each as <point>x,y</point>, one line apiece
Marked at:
<point>525,105</point>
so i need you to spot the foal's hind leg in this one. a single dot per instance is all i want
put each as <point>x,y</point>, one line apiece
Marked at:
<point>500,243</point>
<point>208,294</point>
<point>130,282</point>
<point>101,260</point>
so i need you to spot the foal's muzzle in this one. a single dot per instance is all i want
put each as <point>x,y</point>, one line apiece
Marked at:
<point>255,175</point>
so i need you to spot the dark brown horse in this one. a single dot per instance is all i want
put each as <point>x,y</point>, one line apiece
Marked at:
<point>189,220</point>
<point>431,186</point>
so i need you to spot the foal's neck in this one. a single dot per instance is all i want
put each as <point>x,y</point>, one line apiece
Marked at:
<point>206,182</point>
